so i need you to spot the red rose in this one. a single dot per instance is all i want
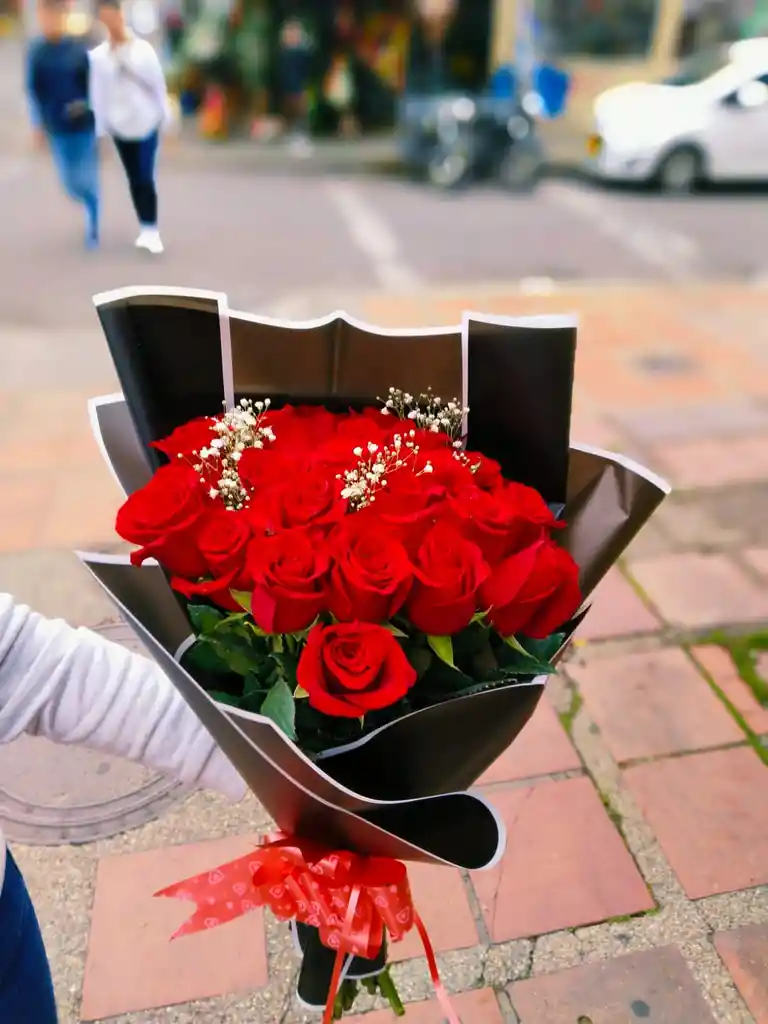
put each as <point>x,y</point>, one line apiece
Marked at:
<point>448,571</point>
<point>371,573</point>
<point>486,473</point>
<point>262,468</point>
<point>447,471</point>
<point>188,438</point>
<point>289,572</point>
<point>503,521</point>
<point>299,426</point>
<point>352,668</point>
<point>222,540</point>
<point>407,506</point>
<point>533,592</point>
<point>308,498</point>
<point>163,517</point>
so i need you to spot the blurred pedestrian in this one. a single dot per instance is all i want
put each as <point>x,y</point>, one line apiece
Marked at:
<point>129,98</point>
<point>76,687</point>
<point>295,53</point>
<point>57,87</point>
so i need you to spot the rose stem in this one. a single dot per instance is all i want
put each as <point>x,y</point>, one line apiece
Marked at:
<point>388,990</point>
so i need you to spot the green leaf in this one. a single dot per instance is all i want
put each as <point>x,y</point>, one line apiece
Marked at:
<point>514,643</point>
<point>203,656</point>
<point>243,598</point>
<point>479,617</point>
<point>395,631</point>
<point>443,648</point>
<point>278,705</point>
<point>300,693</point>
<point>224,698</point>
<point>277,643</point>
<point>203,618</point>
<point>545,650</point>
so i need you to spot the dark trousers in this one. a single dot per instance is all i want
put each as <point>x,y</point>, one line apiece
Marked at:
<point>26,990</point>
<point>138,157</point>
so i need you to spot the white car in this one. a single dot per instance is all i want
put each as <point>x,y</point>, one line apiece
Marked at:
<point>709,122</point>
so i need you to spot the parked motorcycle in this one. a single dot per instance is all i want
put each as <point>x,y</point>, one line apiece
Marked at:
<point>454,140</point>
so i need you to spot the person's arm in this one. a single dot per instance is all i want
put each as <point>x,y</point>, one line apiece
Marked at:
<point>31,87</point>
<point>73,686</point>
<point>97,99</point>
<point>156,80</point>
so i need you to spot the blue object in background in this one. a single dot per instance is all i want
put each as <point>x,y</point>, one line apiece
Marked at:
<point>551,83</point>
<point>553,86</point>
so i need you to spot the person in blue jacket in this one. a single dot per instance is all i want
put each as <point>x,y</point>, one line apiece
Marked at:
<point>57,86</point>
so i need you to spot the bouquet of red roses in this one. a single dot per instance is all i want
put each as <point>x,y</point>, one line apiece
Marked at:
<point>345,569</point>
<point>361,600</point>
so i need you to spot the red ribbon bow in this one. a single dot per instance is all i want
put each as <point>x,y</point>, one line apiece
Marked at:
<point>350,899</point>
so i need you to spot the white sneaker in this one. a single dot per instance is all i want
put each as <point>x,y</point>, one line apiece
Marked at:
<point>150,240</point>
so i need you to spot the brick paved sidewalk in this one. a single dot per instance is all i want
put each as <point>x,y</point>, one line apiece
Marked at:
<point>635,883</point>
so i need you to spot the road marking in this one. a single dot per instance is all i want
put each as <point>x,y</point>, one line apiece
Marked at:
<point>373,237</point>
<point>674,254</point>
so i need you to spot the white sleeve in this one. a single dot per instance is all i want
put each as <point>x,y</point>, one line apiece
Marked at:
<point>73,686</point>
<point>97,92</point>
<point>156,77</point>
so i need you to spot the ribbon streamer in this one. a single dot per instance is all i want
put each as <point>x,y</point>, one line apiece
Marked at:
<point>350,899</point>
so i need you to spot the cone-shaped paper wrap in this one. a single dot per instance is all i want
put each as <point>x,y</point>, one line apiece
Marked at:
<point>180,355</point>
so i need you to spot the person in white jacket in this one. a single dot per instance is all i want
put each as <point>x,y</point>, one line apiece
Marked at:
<point>129,100</point>
<point>73,686</point>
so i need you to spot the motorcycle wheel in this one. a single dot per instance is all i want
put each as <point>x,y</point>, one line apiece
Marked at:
<point>449,170</point>
<point>521,166</point>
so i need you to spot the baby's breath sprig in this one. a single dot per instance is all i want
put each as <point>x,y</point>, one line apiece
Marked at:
<point>361,484</point>
<point>238,429</point>
<point>427,411</point>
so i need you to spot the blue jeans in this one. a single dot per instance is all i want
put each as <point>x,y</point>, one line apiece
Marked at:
<point>76,156</point>
<point>26,989</point>
<point>139,157</point>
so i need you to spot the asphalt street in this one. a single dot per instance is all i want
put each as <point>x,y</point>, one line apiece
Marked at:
<point>274,241</point>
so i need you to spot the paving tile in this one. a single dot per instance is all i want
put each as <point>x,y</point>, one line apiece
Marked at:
<point>565,864</point>
<point>443,905</point>
<point>617,611</point>
<point>758,559</point>
<point>131,964</point>
<point>655,985</point>
<point>713,462</point>
<point>720,665</point>
<point>745,953</point>
<point>478,1007</point>
<point>692,422</point>
<point>587,428</point>
<point>696,591</point>
<point>710,814</point>
<point>653,703</point>
<point>542,748</point>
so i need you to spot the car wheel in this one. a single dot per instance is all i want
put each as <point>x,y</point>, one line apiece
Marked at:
<point>681,171</point>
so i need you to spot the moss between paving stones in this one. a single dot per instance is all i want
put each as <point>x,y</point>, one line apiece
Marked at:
<point>742,650</point>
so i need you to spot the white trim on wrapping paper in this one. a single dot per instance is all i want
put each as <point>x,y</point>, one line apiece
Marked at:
<point>345,747</point>
<point>105,559</point>
<point>627,463</point>
<point>141,291</point>
<point>353,321</point>
<point>184,646</point>
<point>93,419</point>
<point>225,336</point>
